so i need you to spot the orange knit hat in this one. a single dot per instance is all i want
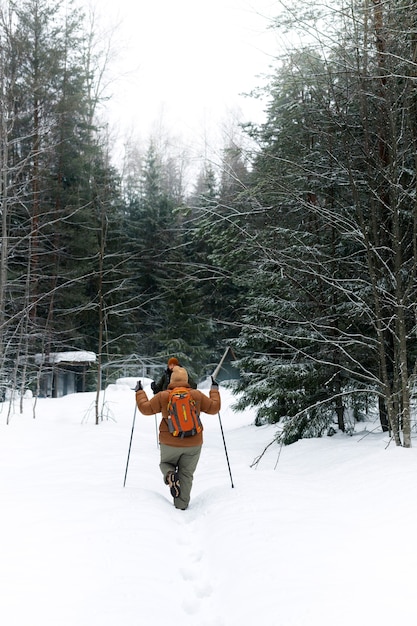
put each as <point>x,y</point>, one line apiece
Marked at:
<point>173,361</point>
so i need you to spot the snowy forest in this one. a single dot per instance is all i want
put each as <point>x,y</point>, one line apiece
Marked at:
<point>299,251</point>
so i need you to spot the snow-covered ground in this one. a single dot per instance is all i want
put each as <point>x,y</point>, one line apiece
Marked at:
<point>324,539</point>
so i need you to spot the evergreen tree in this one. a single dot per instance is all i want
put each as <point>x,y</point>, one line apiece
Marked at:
<point>52,173</point>
<point>218,214</point>
<point>169,317</point>
<point>330,304</point>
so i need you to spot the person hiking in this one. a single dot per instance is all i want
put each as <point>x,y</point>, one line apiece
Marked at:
<point>179,456</point>
<point>163,382</point>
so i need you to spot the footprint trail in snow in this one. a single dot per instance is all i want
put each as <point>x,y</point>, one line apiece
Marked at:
<point>198,595</point>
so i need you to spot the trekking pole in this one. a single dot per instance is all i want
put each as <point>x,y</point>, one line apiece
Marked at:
<point>213,377</point>
<point>225,449</point>
<point>156,432</point>
<point>130,444</point>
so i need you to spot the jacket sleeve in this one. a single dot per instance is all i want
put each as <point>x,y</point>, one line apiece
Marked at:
<point>148,407</point>
<point>192,383</point>
<point>159,385</point>
<point>212,404</point>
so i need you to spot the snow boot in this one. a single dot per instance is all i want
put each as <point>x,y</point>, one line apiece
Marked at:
<point>172,479</point>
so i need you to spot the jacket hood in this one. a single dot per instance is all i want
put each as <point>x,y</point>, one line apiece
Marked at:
<point>179,377</point>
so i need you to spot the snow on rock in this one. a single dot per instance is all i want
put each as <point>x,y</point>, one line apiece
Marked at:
<point>75,356</point>
<point>129,382</point>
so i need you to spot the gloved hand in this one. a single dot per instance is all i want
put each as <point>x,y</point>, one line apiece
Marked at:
<point>153,386</point>
<point>214,383</point>
<point>138,386</point>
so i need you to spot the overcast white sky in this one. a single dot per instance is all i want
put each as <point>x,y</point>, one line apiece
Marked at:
<point>184,63</point>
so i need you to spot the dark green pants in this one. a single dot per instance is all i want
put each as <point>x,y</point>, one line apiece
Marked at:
<point>184,461</point>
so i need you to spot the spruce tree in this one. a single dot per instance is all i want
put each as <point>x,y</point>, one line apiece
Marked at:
<point>51,168</point>
<point>334,182</point>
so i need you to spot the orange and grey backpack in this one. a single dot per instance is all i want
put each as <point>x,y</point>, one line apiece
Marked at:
<point>183,420</point>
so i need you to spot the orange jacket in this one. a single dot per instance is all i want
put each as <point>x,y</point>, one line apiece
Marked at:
<point>159,404</point>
